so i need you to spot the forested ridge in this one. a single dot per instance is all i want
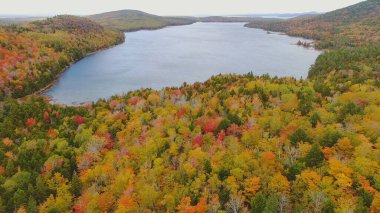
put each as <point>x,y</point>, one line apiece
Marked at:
<point>234,143</point>
<point>353,26</point>
<point>134,20</point>
<point>33,54</point>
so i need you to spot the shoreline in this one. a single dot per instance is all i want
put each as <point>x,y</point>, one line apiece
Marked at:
<point>49,98</point>
<point>155,28</point>
<point>314,41</point>
<point>58,76</point>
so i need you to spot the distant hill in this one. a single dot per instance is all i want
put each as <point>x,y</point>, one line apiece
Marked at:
<point>227,19</point>
<point>347,27</point>
<point>133,20</point>
<point>66,23</point>
<point>5,20</point>
<point>281,15</point>
<point>369,9</point>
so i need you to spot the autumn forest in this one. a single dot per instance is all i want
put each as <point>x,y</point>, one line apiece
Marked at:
<point>234,143</point>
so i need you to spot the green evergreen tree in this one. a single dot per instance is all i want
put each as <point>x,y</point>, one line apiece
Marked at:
<point>298,136</point>
<point>271,204</point>
<point>293,171</point>
<point>76,184</point>
<point>328,207</point>
<point>19,198</point>
<point>10,168</point>
<point>223,125</point>
<point>258,203</point>
<point>30,190</point>
<point>349,109</point>
<point>2,206</point>
<point>366,197</point>
<point>31,206</point>
<point>233,118</point>
<point>305,106</point>
<point>207,166</point>
<point>361,206</point>
<point>314,119</point>
<point>41,189</point>
<point>315,156</point>
<point>330,138</point>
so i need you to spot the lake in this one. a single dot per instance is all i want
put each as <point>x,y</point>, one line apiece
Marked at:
<point>173,55</point>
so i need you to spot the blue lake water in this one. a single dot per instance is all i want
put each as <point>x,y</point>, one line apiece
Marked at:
<point>173,55</point>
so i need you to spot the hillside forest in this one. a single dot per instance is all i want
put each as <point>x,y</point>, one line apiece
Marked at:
<point>32,55</point>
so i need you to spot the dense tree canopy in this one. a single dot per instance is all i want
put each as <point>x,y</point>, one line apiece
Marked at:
<point>195,148</point>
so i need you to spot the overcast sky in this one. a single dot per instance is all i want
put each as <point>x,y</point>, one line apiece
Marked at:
<point>170,7</point>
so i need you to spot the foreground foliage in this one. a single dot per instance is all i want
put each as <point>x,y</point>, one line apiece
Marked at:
<point>233,143</point>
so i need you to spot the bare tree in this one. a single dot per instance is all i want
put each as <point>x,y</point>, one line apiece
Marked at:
<point>283,203</point>
<point>292,154</point>
<point>235,203</point>
<point>318,200</point>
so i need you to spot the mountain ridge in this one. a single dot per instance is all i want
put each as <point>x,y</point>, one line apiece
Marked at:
<point>133,20</point>
<point>333,29</point>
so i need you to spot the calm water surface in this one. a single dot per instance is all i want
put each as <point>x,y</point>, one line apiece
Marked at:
<point>173,55</point>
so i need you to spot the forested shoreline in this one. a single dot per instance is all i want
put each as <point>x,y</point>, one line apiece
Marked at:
<point>34,54</point>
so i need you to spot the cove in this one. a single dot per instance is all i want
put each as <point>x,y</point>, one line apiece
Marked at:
<point>174,55</point>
